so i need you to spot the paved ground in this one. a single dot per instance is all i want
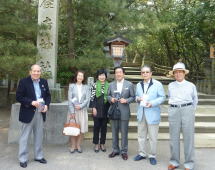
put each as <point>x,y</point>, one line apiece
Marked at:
<point>60,159</point>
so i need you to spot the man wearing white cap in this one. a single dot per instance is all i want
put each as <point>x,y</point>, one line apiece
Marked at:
<point>183,101</point>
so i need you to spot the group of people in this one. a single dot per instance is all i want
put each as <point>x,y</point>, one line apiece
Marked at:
<point>101,97</point>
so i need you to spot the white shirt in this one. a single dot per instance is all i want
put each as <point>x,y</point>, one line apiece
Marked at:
<point>182,93</point>
<point>120,85</point>
<point>79,87</point>
<point>146,86</point>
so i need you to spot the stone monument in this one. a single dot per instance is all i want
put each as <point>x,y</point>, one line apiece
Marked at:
<point>47,48</point>
<point>47,44</point>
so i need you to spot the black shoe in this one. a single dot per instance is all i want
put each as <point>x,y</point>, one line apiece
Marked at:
<point>113,154</point>
<point>96,148</point>
<point>23,164</point>
<point>79,150</point>
<point>103,148</point>
<point>42,161</point>
<point>72,150</point>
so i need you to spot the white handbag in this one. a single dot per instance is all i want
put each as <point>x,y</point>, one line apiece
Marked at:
<point>71,129</point>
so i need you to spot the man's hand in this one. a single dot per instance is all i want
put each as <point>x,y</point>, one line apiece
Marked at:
<point>139,99</point>
<point>148,105</point>
<point>35,104</point>
<point>45,109</point>
<point>77,107</point>
<point>94,111</point>
<point>113,100</point>
<point>122,100</point>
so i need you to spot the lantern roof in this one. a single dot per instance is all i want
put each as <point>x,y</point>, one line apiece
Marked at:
<point>117,38</point>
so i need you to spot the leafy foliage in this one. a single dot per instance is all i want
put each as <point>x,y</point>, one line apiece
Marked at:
<point>17,38</point>
<point>162,31</point>
<point>169,31</point>
<point>94,22</point>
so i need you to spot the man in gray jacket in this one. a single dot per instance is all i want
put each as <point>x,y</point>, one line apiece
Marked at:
<point>121,91</point>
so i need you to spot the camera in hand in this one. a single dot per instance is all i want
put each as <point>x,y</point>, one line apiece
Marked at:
<point>117,95</point>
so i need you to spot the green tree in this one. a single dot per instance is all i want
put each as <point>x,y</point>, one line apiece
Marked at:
<point>83,27</point>
<point>169,31</point>
<point>17,37</point>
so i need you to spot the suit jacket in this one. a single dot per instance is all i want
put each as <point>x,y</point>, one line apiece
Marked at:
<point>73,92</point>
<point>156,96</point>
<point>127,93</point>
<point>25,94</point>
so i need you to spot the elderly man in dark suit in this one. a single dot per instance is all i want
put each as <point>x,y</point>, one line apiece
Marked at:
<point>34,96</point>
<point>121,91</point>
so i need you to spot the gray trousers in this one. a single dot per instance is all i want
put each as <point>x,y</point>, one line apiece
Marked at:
<point>36,125</point>
<point>145,129</point>
<point>182,119</point>
<point>120,125</point>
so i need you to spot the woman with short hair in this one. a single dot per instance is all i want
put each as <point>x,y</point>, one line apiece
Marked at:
<point>100,105</point>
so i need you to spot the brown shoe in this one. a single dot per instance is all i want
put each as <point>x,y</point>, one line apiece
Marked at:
<point>113,154</point>
<point>124,156</point>
<point>172,167</point>
<point>186,169</point>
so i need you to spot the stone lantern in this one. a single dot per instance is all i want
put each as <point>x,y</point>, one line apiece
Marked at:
<point>117,48</point>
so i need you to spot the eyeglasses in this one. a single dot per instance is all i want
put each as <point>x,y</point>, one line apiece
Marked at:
<point>143,72</point>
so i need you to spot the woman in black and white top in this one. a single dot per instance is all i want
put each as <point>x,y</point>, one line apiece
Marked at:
<point>100,105</point>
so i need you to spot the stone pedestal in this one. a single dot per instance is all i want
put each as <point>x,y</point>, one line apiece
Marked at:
<point>56,117</point>
<point>57,95</point>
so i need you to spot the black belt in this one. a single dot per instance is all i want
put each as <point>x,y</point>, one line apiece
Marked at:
<point>181,105</point>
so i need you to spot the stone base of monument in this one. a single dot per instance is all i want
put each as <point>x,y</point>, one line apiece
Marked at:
<point>57,95</point>
<point>56,117</point>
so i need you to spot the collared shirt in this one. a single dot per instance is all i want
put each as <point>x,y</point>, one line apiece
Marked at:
<point>37,88</point>
<point>182,93</point>
<point>146,86</point>
<point>119,85</point>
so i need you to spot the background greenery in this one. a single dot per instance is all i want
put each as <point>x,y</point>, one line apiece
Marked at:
<point>162,32</point>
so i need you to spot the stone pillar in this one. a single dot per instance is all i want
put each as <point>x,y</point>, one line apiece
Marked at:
<point>48,44</point>
<point>90,81</point>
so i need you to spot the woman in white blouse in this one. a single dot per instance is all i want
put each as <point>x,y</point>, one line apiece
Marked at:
<point>78,97</point>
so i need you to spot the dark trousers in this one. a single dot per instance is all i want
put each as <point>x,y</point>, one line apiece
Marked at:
<point>99,129</point>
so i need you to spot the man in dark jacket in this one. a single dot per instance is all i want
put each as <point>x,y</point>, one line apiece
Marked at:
<point>121,91</point>
<point>34,96</point>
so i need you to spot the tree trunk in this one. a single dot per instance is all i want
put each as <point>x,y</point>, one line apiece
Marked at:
<point>168,49</point>
<point>70,13</point>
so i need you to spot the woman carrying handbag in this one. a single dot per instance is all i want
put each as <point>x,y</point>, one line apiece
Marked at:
<point>78,98</point>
